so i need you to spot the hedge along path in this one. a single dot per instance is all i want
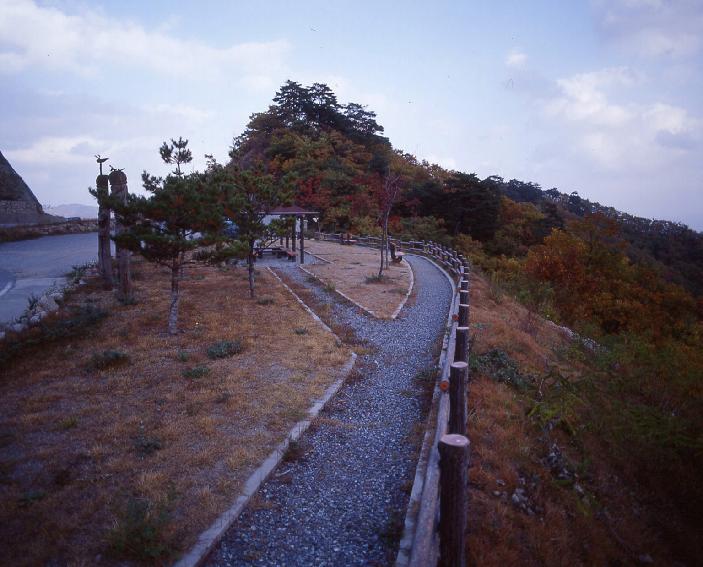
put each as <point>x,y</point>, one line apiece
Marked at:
<point>342,497</point>
<point>78,442</point>
<point>347,269</point>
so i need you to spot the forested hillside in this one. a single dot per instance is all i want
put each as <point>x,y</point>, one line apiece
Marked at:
<point>633,285</point>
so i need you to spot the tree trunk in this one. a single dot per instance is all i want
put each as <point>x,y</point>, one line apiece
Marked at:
<point>383,245</point>
<point>173,310</point>
<point>250,267</point>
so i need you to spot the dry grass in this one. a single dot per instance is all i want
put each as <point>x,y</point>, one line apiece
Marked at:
<point>78,444</point>
<point>603,525</point>
<point>348,272</point>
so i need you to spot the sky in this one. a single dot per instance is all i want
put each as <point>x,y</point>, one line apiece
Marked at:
<point>602,97</point>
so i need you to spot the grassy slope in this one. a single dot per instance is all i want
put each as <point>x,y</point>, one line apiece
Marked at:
<point>530,504</point>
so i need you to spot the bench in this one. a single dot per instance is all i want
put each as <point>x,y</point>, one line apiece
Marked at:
<point>398,258</point>
<point>291,255</point>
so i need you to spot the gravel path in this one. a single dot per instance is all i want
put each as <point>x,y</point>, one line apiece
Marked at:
<point>342,501</point>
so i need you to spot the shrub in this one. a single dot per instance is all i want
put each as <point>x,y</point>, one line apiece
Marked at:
<point>68,423</point>
<point>196,372</point>
<point>140,532</point>
<point>265,301</point>
<point>223,349</point>
<point>51,329</point>
<point>108,359</point>
<point>376,279</point>
<point>301,331</point>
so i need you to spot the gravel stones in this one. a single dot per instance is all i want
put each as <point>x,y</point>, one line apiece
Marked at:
<point>342,500</point>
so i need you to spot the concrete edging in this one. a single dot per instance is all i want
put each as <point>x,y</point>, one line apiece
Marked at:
<point>407,295</point>
<point>344,295</point>
<point>212,535</point>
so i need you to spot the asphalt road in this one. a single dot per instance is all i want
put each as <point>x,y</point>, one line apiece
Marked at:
<point>32,266</point>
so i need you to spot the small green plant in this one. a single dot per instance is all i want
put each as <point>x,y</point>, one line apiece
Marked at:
<point>68,423</point>
<point>329,287</point>
<point>108,359</point>
<point>145,445</point>
<point>266,300</point>
<point>182,356</point>
<point>223,349</point>
<point>301,331</point>
<point>77,272</point>
<point>127,300</point>
<point>376,279</point>
<point>31,496</point>
<point>140,532</point>
<point>196,372</point>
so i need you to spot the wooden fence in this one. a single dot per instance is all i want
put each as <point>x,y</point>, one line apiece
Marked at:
<point>435,523</point>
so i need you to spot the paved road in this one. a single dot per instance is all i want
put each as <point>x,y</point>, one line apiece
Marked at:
<point>32,266</point>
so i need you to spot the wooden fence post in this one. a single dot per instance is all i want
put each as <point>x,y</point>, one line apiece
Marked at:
<point>104,253</point>
<point>457,397</point>
<point>463,297</point>
<point>464,285</point>
<point>118,188</point>
<point>453,464</point>
<point>461,350</point>
<point>463,315</point>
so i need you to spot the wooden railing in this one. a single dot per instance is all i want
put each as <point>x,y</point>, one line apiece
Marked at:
<point>435,523</point>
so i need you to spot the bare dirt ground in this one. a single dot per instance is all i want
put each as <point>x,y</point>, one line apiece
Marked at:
<point>135,460</point>
<point>351,270</point>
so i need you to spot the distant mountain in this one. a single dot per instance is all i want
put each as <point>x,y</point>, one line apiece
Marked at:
<point>74,210</point>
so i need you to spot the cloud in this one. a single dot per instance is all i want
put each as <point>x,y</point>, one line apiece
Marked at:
<point>620,135</point>
<point>52,151</point>
<point>516,59</point>
<point>652,28</point>
<point>45,37</point>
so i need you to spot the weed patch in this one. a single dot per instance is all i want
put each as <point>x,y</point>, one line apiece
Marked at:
<point>497,365</point>
<point>224,349</point>
<point>108,359</point>
<point>51,329</point>
<point>196,372</point>
<point>140,532</point>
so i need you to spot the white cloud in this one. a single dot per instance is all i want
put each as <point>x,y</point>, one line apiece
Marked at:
<point>37,36</point>
<point>51,151</point>
<point>516,59</point>
<point>620,135</point>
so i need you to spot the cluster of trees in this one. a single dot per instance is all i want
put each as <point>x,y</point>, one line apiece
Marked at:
<point>631,283</point>
<point>184,216</point>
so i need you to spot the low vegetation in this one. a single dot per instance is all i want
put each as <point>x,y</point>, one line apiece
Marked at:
<point>125,442</point>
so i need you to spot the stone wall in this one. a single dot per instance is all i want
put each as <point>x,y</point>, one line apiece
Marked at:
<point>23,232</point>
<point>13,213</point>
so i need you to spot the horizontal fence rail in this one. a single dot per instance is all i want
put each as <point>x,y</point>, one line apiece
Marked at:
<point>435,523</point>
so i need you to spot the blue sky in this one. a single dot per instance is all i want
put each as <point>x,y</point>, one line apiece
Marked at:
<point>601,97</point>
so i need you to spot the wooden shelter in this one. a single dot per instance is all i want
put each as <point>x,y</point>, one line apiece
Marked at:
<point>299,215</point>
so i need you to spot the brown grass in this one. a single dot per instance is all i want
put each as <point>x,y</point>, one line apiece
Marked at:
<point>603,525</point>
<point>77,444</point>
<point>348,272</point>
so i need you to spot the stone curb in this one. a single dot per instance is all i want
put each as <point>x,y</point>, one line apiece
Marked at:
<point>212,536</point>
<point>345,296</point>
<point>407,295</point>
